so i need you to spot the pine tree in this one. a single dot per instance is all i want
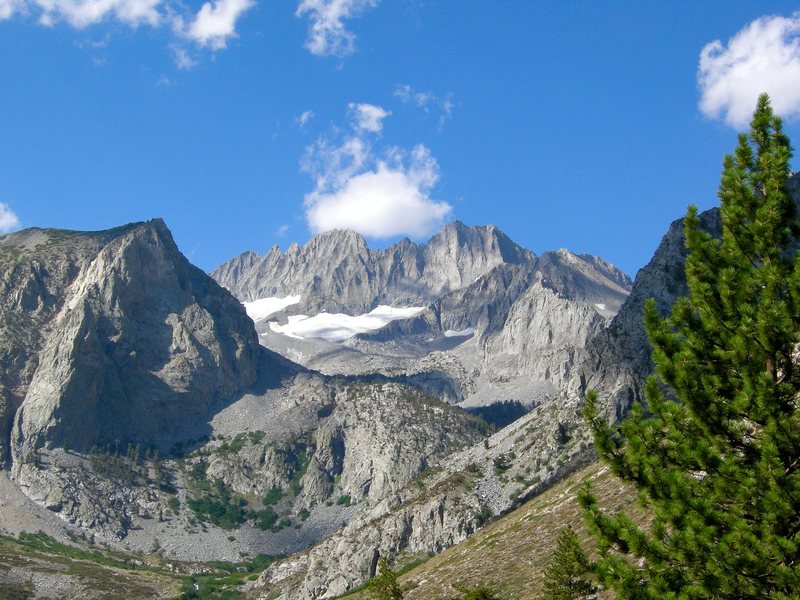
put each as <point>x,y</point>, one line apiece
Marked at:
<point>717,458</point>
<point>566,576</point>
<point>384,585</point>
<point>480,592</point>
<point>157,474</point>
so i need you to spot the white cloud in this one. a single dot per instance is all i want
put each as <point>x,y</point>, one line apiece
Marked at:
<point>327,35</point>
<point>426,101</point>
<point>332,166</point>
<point>215,22</point>
<point>182,58</point>
<point>282,230</point>
<point>762,57</point>
<point>389,198</point>
<point>8,8</point>
<point>304,118</point>
<point>368,117</point>
<point>407,94</point>
<point>95,44</point>
<point>8,220</point>
<point>212,26</point>
<point>82,13</point>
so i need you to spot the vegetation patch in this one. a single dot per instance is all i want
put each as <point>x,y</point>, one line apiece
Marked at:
<point>219,506</point>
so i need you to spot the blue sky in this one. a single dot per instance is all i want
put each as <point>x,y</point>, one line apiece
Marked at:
<point>248,123</point>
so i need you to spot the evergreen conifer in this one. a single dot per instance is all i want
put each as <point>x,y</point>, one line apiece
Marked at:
<point>565,577</point>
<point>384,585</point>
<point>716,459</point>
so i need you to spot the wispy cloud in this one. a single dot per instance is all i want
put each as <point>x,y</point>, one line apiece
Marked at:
<point>379,194</point>
<point>327,35</point>
<point>763,57</point>
<point>428,101</point>
<point>182,58</point>
<point>8,8</point>
<point>303,118</point>
<point>89,44</point>
<point>8,219</point>
<point>281,231</point>
<point>82,13</point>
<point>367,117</point>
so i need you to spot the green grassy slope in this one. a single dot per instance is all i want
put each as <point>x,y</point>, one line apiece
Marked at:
<point>511,554</point>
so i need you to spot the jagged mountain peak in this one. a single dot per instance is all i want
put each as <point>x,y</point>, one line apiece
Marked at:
<point>337,271</point>
<point>489,238</point>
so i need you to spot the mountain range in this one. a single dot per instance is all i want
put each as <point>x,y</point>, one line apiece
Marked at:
<point>332,403</point>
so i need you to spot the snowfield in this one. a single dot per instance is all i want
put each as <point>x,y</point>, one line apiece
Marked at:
<point>260,309</point>
<point>461,333</point>
<point>338,327</point>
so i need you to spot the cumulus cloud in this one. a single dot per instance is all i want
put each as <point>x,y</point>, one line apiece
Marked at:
<point>762,57</point>
<point>327,35</point>
<point>368,117</point>
<point>379,198</point>
<point>8,220</point>
<point>215,22</point>
<point>211,27</point>
<point>332,166</point>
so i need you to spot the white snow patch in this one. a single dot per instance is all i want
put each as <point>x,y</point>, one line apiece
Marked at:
<point>601,306</point>
<point>462,333</point>
<point>260,309</point>
<point>338,327</point>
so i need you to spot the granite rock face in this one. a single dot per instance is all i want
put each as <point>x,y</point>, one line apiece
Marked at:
<point>337,272</point>
<point>129,341</point>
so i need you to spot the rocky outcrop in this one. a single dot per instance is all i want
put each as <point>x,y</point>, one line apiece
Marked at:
<point>442,507</point>
<point>616,362</point>
<point>363,440</point>
<point>109,338</point>
<point>134,344</point>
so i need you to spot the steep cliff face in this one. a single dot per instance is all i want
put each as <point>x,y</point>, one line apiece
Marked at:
<point>133,341</point>
<point>616,361</point>
<point>337,272</point>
